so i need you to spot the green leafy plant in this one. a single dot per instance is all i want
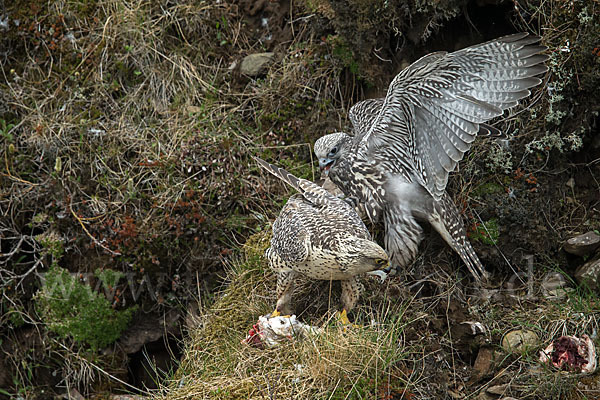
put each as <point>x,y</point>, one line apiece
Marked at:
<point>108,277</point>
<point>72,309</point>
<point>5,128</point>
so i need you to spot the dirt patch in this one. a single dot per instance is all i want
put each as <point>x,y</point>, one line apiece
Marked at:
<point>268,21</point>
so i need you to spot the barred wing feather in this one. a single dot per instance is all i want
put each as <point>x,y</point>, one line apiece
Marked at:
<point>436,107</point>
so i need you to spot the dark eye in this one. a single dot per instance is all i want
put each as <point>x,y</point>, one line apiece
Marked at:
<point>380,261</point>
<point>333,151</point>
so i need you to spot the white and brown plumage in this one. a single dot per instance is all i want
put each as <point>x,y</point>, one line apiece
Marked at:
<point>405,145</point>
<point>321,236</point>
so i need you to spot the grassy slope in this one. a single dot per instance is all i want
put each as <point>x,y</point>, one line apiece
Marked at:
<point>127,138</point>
<point>403,346</point>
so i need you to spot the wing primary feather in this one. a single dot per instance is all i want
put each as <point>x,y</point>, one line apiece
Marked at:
<point>486,130</point>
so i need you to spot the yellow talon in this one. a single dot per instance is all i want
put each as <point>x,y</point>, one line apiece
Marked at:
<point>343,317</point>
<point>275,314</point>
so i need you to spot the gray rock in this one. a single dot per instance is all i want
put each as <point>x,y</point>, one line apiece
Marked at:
<point>554,286</point>
<point>498,389</point>
<point>519,340</point>
<point>73,395</point>
<point>589,274</point>
<point>254,64</point>
<point>582,245</point>
<point>147,328</point>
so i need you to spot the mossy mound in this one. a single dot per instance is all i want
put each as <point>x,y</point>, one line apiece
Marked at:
<point>73,310</point>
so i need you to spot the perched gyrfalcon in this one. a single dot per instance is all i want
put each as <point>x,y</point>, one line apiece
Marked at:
<point>321,236</point>
<point>405,145</point>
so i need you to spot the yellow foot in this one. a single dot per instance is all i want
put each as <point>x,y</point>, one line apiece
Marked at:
<point>278,314</point>
<point>343,317</point>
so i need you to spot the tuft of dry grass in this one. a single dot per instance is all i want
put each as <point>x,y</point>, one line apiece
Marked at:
<point>336,362</point>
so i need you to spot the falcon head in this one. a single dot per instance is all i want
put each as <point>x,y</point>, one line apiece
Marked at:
<point>330,148</point>
<point>366,256</point>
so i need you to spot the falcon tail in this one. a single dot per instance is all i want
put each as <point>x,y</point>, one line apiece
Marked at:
<point>447,221</point>
<point>281,173</point>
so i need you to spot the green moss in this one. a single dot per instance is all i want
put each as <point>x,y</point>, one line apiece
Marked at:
<point>257,244</point>
<point>72,309</point>
<point>15,317</point>
<point>488,188</point>
<point>486,233</point>
<point>344,54</point>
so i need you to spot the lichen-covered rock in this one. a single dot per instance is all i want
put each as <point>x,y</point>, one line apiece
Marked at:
<point>254,64</point>
<point>584,244</point>
<point>588,274</point>
<point>519,340</point>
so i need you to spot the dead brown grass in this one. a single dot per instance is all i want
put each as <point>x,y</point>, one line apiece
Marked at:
<point>128,136</point>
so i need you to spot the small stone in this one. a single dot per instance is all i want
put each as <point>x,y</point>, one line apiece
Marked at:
<point>194,109</point>
<point>455,395</point>
<point>254,64</point>
<point>498,389</point>
<point>519,340</point>
<point>483,364</point>
<point>582,245</point>
<point>558,293</point>
<point>589,274</point>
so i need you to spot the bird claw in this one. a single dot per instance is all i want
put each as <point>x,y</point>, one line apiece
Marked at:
<point>343,317</point>
<point>276,313</point>
<point>346,324</point>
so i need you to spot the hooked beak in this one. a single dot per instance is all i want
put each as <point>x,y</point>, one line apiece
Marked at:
<point>386,267</point>
<point>325,164</point>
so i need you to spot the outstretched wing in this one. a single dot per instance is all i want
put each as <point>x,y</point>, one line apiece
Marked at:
<point>435,108</point>
<point>363,115</point>
<point>315,194</point>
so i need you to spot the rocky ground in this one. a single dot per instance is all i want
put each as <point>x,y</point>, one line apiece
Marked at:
<point>133,219</point>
